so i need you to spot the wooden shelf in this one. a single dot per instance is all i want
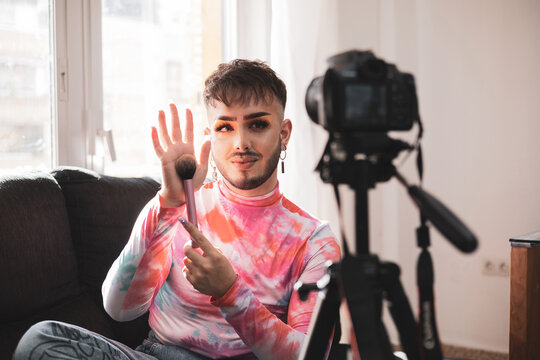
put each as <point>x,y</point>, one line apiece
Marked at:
<point>525,297</point>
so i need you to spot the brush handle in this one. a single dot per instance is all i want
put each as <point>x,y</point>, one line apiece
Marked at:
<point>190,202</point>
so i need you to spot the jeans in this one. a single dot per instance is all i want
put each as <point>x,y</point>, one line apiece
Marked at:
<point>57,340</point>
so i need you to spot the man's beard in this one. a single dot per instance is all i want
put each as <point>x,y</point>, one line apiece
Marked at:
<point>249,183</point>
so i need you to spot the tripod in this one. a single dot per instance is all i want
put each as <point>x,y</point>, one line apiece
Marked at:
<point>361,278</point>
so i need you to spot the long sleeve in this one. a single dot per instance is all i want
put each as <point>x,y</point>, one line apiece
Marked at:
<point>143,265</point>
<point>268,336</point>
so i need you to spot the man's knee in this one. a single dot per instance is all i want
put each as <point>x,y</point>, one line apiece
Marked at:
<point>33,341</point>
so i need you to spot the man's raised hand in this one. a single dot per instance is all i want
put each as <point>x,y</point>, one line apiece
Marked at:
<point>169,148</point>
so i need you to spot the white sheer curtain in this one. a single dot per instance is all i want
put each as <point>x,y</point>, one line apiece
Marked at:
<point>298,54</point>
<point>304,34</point>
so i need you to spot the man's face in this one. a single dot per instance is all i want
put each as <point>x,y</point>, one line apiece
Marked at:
<point>246,143</point>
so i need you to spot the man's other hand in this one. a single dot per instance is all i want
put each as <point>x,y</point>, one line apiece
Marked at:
<point>210,273</point>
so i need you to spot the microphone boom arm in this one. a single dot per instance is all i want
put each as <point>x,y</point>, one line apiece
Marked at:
<point>450,226</point>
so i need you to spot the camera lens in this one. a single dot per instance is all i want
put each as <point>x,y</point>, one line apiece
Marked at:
<point>313,96</point>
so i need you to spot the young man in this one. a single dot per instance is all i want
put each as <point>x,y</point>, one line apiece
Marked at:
<point>232,296</point>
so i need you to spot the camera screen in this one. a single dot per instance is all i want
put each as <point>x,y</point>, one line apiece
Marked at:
<point>365,104</point>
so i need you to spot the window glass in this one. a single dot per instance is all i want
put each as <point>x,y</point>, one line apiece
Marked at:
<point>154,52</point>
<point>26,106</point>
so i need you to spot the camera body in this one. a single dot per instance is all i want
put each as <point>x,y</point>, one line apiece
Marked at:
<point>361,93</point>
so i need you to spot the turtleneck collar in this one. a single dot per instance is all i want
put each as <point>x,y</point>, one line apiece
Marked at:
<point>262,200</point>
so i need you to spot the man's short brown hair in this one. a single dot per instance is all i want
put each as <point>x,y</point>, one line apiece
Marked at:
<point>244,82</point>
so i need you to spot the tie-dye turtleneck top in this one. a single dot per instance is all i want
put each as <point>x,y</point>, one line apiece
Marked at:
<point>270,242</point>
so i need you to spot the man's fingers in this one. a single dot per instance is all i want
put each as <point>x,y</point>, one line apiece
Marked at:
<point>189,126</point>
<point>188,264</point>
<point>187,274</point>
<point>195,256</point>
<point>155,141</point>
<point>197,236</point>
<point>175,124</point>
<point>163,133</point>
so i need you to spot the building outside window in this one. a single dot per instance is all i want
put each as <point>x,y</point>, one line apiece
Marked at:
<point>26,92</point>
<point>152,52</point>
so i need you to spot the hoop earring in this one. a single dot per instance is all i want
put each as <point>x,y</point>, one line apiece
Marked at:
<point>282,157</point>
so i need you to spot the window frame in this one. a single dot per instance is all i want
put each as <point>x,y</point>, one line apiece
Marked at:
<point>78,82</point>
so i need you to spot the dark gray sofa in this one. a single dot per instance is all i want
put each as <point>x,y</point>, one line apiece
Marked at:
<point>59,234</point>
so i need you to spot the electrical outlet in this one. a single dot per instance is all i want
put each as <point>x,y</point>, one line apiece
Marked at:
<point>496,267</point>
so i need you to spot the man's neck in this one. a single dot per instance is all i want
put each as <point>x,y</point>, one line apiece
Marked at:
<point>263,189</point>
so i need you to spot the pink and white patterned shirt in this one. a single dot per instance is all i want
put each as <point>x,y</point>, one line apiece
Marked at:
<point>270,242</point>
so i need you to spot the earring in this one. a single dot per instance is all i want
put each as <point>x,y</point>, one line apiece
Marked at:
<point>282,157</point>
<point>214,169</point>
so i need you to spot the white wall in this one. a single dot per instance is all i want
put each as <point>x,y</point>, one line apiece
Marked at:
<point>478,83</point>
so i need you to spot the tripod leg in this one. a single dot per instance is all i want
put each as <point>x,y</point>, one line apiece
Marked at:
<point>363,291</point>
<point>325,314</point>
<point>401,310</point>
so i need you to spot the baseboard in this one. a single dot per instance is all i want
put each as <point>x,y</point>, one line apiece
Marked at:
<point>459,352</point>
<point>451,352</point>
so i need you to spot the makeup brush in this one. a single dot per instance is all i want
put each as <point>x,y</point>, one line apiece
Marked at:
<point>185,167</point>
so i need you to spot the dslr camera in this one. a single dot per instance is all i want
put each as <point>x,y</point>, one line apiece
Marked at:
<point>361,93</point>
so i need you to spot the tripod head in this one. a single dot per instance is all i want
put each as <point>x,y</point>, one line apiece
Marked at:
<point>359,160</point>
<point>363,160</point>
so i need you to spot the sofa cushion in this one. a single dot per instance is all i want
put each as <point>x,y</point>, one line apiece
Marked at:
<point>102,211</point>
<point>37,260</point>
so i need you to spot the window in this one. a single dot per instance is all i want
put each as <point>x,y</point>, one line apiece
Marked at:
<point>116,63</point>
<point>26,89</point>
